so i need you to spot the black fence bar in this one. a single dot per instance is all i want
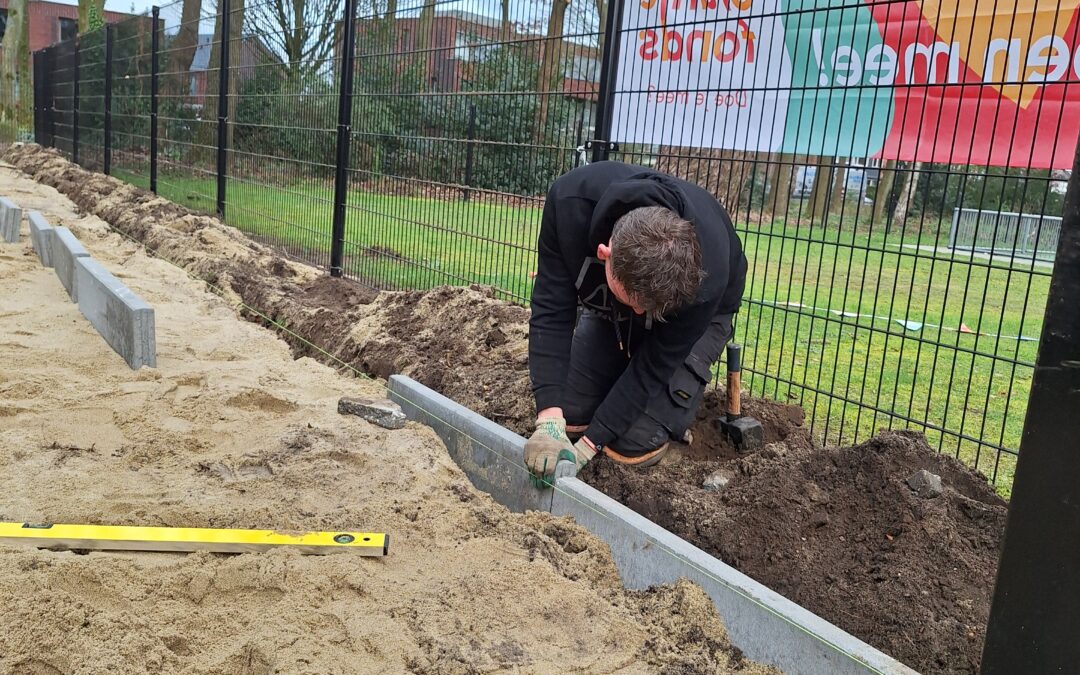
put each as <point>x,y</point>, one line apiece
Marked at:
<point>223,107</point>
<point>40,75</point>
<point>601,143</point>
<point>1035,613</point>
<point>155,48</point>
<point>50,64</point>
<point>344,134</point>
<point>107,158</point>
<point>470,151</point>
<point>75,103</point>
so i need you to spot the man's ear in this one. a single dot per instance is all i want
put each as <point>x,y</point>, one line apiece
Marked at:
<point>603,252</point>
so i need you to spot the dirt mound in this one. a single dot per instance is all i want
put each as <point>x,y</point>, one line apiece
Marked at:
<point>836,530</point>
<point>840,532</point>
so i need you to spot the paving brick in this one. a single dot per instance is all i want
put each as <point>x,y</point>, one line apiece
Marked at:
<point>66,249</point>
<point>10,220</point>
<point>41,237</point>
<point>124,319</point>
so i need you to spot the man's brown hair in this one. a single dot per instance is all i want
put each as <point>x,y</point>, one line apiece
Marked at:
<point>655,255</point>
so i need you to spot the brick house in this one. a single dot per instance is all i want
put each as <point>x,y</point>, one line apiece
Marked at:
<point>51,22</point>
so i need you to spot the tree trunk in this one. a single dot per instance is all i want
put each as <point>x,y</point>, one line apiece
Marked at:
<point>836,201</point>
<point>423,40</point>
<point>886,175</point>
<point>821,189</point>
<point>13,73</point>
<point>236,51</point>
<point>547,83</point>
<point>723,173</point>
<point>601,10</point>
<point>507,29</point>
<point>778,192</point>
<point>90,13</point>
<point>909,182</point>
<point>182,52</point>
<point>391,9</point>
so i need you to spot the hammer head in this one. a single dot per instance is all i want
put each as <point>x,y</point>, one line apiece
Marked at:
<point>745,433</point>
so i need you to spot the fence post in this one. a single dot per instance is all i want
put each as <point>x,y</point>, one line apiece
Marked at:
<point>471,136</point>
<point>1035,614</point>
<point>344,134</point>
<point>39,98</point>
<point>223,106</point>
<point>50,70</point>
<point>155,15</point>
<point>108,97</point>
<point>75,104</point>
<point>601,143</point>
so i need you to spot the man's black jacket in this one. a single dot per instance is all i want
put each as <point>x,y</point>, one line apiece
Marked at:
<point>579,214</point>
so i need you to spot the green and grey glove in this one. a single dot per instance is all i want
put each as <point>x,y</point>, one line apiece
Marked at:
<point>548,445</point>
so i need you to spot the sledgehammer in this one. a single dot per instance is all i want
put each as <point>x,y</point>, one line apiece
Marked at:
<point>745,433</point>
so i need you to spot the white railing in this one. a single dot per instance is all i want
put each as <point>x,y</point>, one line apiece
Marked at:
<point>1000,233</point>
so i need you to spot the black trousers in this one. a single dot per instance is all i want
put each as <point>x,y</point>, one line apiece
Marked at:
<point>596,363</point>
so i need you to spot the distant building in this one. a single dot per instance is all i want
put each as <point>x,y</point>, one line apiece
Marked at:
<point>51,22</point>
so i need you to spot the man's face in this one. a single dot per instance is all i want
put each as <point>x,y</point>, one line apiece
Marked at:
<point>603,252</point>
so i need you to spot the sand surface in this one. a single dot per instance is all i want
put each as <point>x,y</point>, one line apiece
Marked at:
<point>230,431</point>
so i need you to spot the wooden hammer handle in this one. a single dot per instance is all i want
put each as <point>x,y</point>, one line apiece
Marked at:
<point>734,380</point>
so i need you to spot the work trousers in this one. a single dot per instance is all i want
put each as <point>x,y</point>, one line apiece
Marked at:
<point>596,362</point>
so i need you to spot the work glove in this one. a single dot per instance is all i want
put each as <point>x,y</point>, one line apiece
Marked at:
<point>549,444</point>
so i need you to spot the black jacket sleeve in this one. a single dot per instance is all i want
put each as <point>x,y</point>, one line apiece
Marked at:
<point>554,312</point>
<point>649,372</point>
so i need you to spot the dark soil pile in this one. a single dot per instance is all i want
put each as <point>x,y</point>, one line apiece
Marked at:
<point>840,532</point>
<point>837,530</point>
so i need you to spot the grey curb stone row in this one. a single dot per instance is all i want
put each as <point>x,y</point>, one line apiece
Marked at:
<point>41,237</point>
<point>767,627</point>
<point>10,220</point>
<point>66,249</point>
<point>123,319</point>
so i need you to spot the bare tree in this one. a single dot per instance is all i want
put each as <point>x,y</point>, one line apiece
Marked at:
<point>507,28</point>
<point>14,68</point>
<point>886,176</point>
<point>302,32</point>
<point>821,189</point>
<point>723,173</point>
<point>91,14</point>
<point>778,192</point>
<point>551,58</point>
<point>836,201</point>
<point>181,52</point>
<point>909,182</point>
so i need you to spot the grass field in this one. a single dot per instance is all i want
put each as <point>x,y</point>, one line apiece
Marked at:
<point>820,326</point>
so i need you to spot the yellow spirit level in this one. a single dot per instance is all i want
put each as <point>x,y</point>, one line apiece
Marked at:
<point>122,538</point>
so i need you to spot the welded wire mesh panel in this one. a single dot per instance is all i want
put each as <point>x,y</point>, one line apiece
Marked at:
<point>189,58</point>
<point>283,108</point>
<point>842,136</point>
<point>91,101</point>
<point>61,95</point>
<point>132,41</point>
<point>463,115</point>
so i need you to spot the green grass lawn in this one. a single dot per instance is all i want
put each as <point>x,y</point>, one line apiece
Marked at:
<point>802,343</point>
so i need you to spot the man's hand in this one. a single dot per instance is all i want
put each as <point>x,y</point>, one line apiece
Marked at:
<point>548,445</point>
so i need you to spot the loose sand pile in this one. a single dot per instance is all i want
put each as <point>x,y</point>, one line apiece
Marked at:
<point>230,431</point>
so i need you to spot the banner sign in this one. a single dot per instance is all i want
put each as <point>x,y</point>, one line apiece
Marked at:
<point>987,82</point>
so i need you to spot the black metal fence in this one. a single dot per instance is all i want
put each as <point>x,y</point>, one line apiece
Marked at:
<point>411,146</point>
